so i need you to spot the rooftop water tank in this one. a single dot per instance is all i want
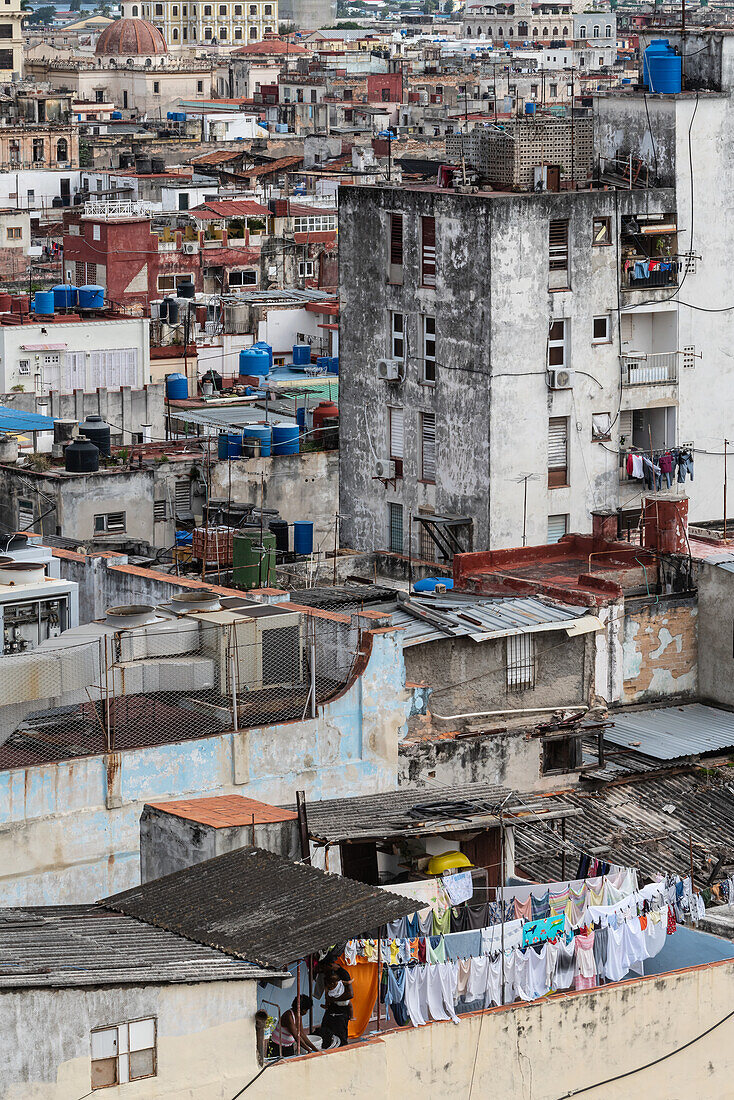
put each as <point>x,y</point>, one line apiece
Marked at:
<point>97,432</point>
<point>81,457</point>
<point>254,361</point>
<point>158,165</point>
<point>177,387</point>
<point>172,310</point>
<point>186,290</point>
<point>91,297</point>
<point>279,528</point>
<point>529,108</point>
<point>64,296</point>
<point>253,560</point>
<point>116,116</point>
<point>301,355</point>
<point>8,448</point>
<point>43,302</point>
<point>325,410</point>
<point>6,302</point>
<point>261,432</point>
<point>303,537</point>
<point>162,309</point>
<point>286,439</point>
<point>664,68</point>
<point>263,346</point>
<point>430,584</point>
<point>229,445</point>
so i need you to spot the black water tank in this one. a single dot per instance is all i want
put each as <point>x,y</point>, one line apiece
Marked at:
<point>185,290</point>
<point>158,164</point>
<point>127,160</point>
<point>81,457</point>
<point>279,528</point>
<point>95,430</point>
<point>214,377</point>
<point>57,202</point>
<point>143,166</point>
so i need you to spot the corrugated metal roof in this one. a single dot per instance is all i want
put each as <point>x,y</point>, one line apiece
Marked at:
<point>83,945</point>
<point>728,565</point>
<point>669,733</point>
<point>480,619</point>
<point>421,811</point>
<point>229,416</point>
<point>17,420</point>
<point>256,905</point>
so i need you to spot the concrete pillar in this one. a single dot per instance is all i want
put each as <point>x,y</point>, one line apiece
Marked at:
<point>79,404</point>
<point>604,526</point>
<point>665,523</point>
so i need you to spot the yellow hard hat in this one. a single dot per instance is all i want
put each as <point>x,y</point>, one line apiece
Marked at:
<point>447,861</point>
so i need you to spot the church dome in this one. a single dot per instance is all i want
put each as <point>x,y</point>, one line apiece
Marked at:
<point>130,37</point>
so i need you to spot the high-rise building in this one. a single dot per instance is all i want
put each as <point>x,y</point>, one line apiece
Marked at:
<point>11,40</point>
<point>215,23</point>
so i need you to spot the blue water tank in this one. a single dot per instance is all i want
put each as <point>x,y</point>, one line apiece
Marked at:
<point>263,432</point>
<point>334,365</point>
<point>184,538</point>
<point>664,68</point>
<point>322,362</point>
<point>303,536</point>
<point>286,439</point>
<point>263,346</point>
<point>177,387</point>
<point>301,355</point>
<point>44,302</point>
<point>116,115</point>
<point>64,296</point>
<point>254,361</point>
<point>529,108</point>
<point>281,128</point>
<point>428,584</point>
<point>229,445</point>
<point>169,116</point>
<point>301,417</point>
<point>91,297</point>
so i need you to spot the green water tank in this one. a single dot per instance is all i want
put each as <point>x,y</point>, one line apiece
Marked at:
<point>253,560</point>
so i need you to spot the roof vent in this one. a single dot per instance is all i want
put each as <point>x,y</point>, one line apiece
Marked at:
<point>203,599</point>
<point>130,614</point>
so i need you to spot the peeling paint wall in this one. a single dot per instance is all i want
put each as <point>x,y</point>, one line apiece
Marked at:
<point>660,648</point>
<point>205,1047</point>
<point>506,759</point>
<point>69,832</point>
<point>716,633</point>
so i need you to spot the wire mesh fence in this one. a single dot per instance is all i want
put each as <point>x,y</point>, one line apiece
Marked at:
<point>169,680</point>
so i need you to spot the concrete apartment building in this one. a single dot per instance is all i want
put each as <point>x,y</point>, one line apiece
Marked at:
<point>225,24</point>
<point>475,417</point>
<point>11,41</point>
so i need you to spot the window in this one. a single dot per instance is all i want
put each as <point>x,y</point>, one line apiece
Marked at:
<point>222,9</point>
<point>62,149</point>
<point>395,532</point>
<point>601,330</point>
<point>305,269</point>
<point>159,9</point>
<point>608,31</point>
<point>428,251</point>
<point>397,336</point>
<point>207,32</point>
<point>314,224</point>
<point>558,255</point>
<point>174,34</point>
<point>242,278</point>
<point>429,349</point>
<point>520,662</point>
<point>15,232</point>
<point>596,31</point>
<point>582,31</point>
<point>602,231</point>
<point>25,514</point>
<point>200,85</point>
<point>557,343</point>
<point>183,200</point>
<point>601,427</point>
<point>396,248</point>
<point>135,11</point>
<point>156,87</point>
<point>24,366</point>
<point>561,754</point>
<point>253,32</point>
<point>126,1052</point>
<point>396,418</point>
<point>207,9</point>
<point>174,11</point>
<point>428,447</point>
<point>553,90</point>
<point>170,282</point>
<point>557,528</point>
<point>38,150</point>
<point>160,511</point>
<point>222,33</point>
<point>182,496</point>
<point>112,522</point>
<point>557,452</point>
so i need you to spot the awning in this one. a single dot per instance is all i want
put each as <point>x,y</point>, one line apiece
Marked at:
<point>17,420</point>
<point>43,347</point>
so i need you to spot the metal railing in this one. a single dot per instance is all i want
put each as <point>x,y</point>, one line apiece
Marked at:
<point>658,277</point>
<point>649,368</point>
<point>116,208</point>
<point>151,685</point>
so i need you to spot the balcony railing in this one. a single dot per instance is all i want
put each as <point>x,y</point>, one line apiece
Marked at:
<point>649,368</point>
<point>634,277</point>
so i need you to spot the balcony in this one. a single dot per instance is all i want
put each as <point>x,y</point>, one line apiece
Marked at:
<point>640,276</point>
<point>649,368</point>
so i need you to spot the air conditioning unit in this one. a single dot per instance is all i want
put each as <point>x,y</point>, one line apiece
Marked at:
<point>389,369</point>
<point>560,378</point>
<point>189,248</point>
<point>385,468</point>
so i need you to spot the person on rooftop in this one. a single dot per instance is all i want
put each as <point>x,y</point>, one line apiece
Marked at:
<point>284,1039</point>
<point>338,995</point>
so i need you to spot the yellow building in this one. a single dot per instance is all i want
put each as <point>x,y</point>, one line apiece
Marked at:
<point>217,23</point>
<point>11,40</point>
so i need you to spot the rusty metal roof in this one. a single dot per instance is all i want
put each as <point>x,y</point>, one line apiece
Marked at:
<point>252,904</point>
<point>670,733</point>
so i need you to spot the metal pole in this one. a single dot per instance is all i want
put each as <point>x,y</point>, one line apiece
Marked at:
<point>502,905</point>
<point>379,975</point>
<point>563,849</point>
<point>298,1008</point>
<point>313,668</point>
<point>726,441</point>
<point>690,849</point>
<point>233,677</point>
<point>336,541</point>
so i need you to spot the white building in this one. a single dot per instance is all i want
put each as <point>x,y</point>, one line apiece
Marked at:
<point>53,353</point>
<point>224,24</point>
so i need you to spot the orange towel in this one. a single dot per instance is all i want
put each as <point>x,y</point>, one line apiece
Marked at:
<point>364,980</point>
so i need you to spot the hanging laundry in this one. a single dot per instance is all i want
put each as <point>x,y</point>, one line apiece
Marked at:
<point>524,909</point>
<point>394,996</point>
<point>436,949</point>
<point>459,887</point>
<point>462,945</point>
<point>585,976</point>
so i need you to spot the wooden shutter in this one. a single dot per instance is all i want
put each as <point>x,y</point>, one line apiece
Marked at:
<point>558,254</point>
<point>557,452</point>
<point>428,446</point>
<point>396,433</point>
<point>428,251</point>
<point>396,239</point>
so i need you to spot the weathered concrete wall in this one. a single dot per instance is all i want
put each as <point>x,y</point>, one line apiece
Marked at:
<point>60,843</point>
<point>467,676</point>
<point>555,1047</point>
<point>715,651</point>
<point>205,1046</point>
<point>508,759</point>
<point>660,648</point>
<point>302,486</point>
<point>125,410</point>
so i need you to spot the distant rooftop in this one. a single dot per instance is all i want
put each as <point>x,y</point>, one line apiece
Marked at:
<point>225,811</point>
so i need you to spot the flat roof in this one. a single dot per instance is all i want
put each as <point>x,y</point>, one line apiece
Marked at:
<point>225,811</point>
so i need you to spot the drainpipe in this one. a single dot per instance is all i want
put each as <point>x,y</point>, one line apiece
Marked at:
<point>582,707</point>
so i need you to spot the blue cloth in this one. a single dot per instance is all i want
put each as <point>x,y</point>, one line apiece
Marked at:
<point>685,466</point>
<point>395,994</point>
<point>463,945</point>
<point>540,907</point>
<point>396,929</point>
<point>642,269</point>
<point>412,927</point>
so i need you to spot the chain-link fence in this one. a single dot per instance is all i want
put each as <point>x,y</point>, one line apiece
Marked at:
<point>169,680</point>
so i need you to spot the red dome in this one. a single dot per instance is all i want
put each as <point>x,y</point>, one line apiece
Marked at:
<point>130,37</point>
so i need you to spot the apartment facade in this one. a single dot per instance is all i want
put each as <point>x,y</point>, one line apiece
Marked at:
<point>501,360</point>
<point>222,24</point>
<point>11,41</point>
